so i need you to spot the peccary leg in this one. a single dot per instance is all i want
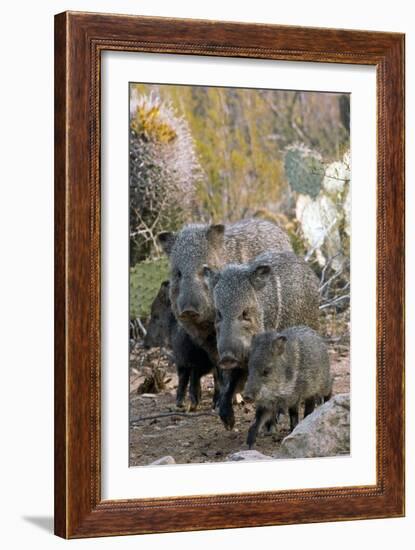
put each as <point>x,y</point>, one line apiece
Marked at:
<point>262,416</point>
<point>217,379</point>
<point>309,406</point>
<point>183,374</point>
<point>329,388</point>
<point>327,397</point>
<point>271,424</point>
<point>293,417</point>
<point>195,390</point>
<point>225,409</point>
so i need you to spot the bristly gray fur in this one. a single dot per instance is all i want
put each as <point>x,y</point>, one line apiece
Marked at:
<point>274,291</point>
<point>198,247</point>
<point>289,367</point>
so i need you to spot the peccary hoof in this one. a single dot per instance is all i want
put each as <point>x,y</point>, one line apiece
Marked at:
<point>192,407</point>
<point>215,402</point>
<point>228,421</point>
<point>229,424</point>
<point>270,430</point>
<point>215,406</point>
<point>179,405</point>
<point>250,441</point>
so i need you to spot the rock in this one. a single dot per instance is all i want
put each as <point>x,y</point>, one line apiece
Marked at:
<point>325,432</point>
<point>248,455</point>
<point>163,460</point>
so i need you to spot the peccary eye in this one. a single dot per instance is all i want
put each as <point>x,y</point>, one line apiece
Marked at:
<point>218,315</point>
<point>245,315</point>
<point>178,274</point>
<point>266,372</point>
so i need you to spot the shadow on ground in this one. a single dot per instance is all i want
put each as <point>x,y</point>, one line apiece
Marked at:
<point>43,522</point>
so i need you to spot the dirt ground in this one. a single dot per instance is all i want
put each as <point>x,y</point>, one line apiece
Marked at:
<point>196,439</point>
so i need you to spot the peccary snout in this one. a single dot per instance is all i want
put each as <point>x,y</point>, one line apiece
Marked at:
<point>251,389</point>
<point>238,317</point>
<point>228,361</point>
<point>233,348</point>
<point>188,312</point>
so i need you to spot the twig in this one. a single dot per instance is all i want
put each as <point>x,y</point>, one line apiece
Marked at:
<point>335,301</point>
<point>331,279</point>
<point>327,265</point>
<point>162,415</point>
<point>141,326</point>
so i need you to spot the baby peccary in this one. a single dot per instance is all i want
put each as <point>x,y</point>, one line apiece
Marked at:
<point>286,368</point>
<point>192,362</point>
<point>273,292</point>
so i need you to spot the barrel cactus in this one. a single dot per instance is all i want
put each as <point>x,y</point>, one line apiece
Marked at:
<point>164,170</point>
<point>304,169</point>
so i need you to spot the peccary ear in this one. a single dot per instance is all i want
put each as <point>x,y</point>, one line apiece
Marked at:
<point>211,276</point>
<point>259,276</point>
<point>278,344</point>
<point>215,235</point>
<point>167,240</point>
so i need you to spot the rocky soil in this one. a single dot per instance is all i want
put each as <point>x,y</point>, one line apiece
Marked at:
<point>198,437</point>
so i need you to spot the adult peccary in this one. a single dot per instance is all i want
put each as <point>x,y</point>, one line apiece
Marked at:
<point>275,291</point>
<point>198,249</point>
<point>286,368</point>
<point>192,362</point>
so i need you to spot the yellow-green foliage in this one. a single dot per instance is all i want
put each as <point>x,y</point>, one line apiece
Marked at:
<point>145,281</point>
<point>231,129</point>
<point>147,121</point>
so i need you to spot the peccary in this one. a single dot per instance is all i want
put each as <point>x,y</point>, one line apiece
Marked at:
<point>275,291</point>
<point>286,368</point>
<point>198,249</point>
<point>192,362</point>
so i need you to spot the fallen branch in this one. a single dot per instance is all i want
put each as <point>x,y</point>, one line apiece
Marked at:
<point>326,266</point>
<point>163,415</point>
<point>335,301</point>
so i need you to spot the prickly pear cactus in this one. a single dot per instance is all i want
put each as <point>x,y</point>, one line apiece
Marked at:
<point>325,218</point>
<point>304,170</point>
<point>337,177</point>
<point>145,281</point>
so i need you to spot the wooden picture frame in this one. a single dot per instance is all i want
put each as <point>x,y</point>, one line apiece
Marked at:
<point>79,40</point>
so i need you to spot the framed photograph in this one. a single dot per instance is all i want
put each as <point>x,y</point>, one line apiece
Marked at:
<point>229,275</point>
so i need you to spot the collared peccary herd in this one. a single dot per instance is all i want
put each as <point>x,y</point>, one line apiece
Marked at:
<point>240,304</point>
